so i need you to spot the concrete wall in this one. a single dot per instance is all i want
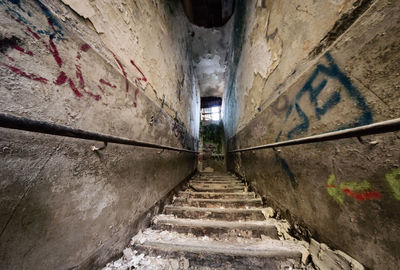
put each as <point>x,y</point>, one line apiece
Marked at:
<point>119,68</point>
<point>309,67</point>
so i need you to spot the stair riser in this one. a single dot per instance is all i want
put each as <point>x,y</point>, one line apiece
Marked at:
<point>239,204</point>
<point>228,216</point>
<point>215,179</point>
<point>225,190</point>
<point>216,182</point>
<point>220,232</point>
<point>222,261</point>
<point>218,186</point>
<point>216,196</point>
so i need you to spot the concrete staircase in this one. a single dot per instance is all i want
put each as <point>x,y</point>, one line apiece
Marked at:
<point>215,224</point>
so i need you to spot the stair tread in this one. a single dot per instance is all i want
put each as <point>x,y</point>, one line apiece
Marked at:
<point>218,193</point>
<point>227,249</point>
<point>245,247</point>
<point>249,200</point>
<point>204,209</point>
<point>215,223</point>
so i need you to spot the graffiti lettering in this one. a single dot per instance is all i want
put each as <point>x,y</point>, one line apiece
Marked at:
<point>283,162</point>
<point>331,72</point>
<point>393,179</point>
<point>13,8</point>
<point>357,190</point>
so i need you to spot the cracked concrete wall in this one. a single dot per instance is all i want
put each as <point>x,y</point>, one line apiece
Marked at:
<point>120,68</point>
<point>307,68</point>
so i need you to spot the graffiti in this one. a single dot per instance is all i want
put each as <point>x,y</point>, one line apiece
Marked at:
<point>357,190</point>
<point>19,17</point>
<point>178,128</point>
<point>123,72</point>
<point>54,33</point>
<point>328,72</point>
<point>283,162</point>
<point>393,179</point>
<point>102,81</point>
<point>143,78</point>
<point>22,50</point>
<point>331,71</point>
<point>31,76</point>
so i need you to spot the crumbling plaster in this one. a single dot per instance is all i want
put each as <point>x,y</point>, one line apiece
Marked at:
<point>345,76</point>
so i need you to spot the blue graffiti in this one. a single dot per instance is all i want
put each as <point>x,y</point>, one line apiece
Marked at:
<point>334,72</point>
<point>15,13</point>
<point>303,126</point>
<point>331,71</point>
<point>50,17</point>
<point>17,3</point>
<point>283,162</point>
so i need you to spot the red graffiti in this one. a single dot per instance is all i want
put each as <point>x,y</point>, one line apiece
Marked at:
<point>61,79</point>
<point>74,89</point>
<point>138,69</point>
<point>101,88</point>
<point>51,25</point>
<point>96,97</point>
<point>135,97</point>
<point>77,86</point>
<point>366,195</point>
<point>85,47</point>
<point>18,48</point>
<point>79,76</point>
<point>53,50</point>
<point>9,57</point>
<point>35,35</point>
<point>123,72</point>
<point>26,75</point>
<point>107,83</point>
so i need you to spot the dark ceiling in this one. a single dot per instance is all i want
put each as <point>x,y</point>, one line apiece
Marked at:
<point>208,13</point>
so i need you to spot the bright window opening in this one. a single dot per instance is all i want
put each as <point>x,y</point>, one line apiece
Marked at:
<point>211,114</point>
<point>215,113</point>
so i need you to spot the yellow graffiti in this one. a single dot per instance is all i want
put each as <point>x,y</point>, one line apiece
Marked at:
<point>393,179</point>
<point>334,191</point>
<point>360,191</point>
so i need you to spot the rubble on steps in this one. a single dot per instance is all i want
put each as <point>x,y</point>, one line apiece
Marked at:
<point>216,223</point>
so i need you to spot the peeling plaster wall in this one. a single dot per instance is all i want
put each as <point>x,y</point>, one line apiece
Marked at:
<point>309,67</point>
<point>120,68</point>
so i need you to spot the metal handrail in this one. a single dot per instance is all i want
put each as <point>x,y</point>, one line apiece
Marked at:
<point>376,128</point>
<point>22,123</point>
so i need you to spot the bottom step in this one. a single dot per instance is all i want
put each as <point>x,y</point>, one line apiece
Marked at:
<point>271,254</point>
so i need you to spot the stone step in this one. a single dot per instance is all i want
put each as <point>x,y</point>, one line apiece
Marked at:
<point>210,183</point>
<point>213,203</point>
<point>217,229</point>
<point>270,254</point>
<point>216,178</point>
<point>228,214</point>
<point>216,186</point>
<point>216,195</point>
<point>218,189</point>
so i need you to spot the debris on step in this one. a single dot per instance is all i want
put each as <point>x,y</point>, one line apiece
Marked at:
<point>325,258</point>
<point>219,225</point>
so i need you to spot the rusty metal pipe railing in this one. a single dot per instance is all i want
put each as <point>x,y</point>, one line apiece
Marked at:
<point>26,124</point>
<point>376,128</point>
